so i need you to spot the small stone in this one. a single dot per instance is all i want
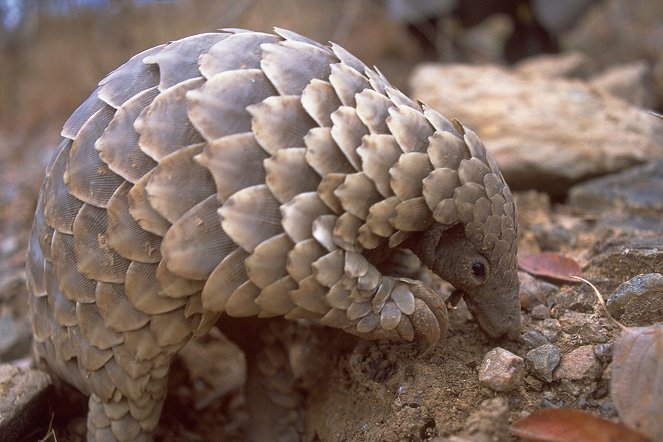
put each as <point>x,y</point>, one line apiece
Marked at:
<point>544,360</point>
<point>579,364</point>
<point>501,370</point>
<point>23,400</point>
<point>571,321</point>
<point>572,298</point>
<point>533,291</point>
<point>550,329</point>
<point>603,352</point>
<point>540,312</point>
<point>638,301</point>
<point>584,326</point>
<point>534,339</point>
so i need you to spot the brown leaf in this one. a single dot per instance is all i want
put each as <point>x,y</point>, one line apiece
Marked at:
<point>550,265</point>
<point>566,425</point>
<point>636,384</point>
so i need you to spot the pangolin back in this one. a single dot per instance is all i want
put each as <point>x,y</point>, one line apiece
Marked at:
<point>249,174</point>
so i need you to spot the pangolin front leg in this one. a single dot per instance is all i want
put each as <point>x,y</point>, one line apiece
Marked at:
<point>247,174</point>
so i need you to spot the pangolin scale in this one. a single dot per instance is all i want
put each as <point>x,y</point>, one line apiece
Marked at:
<point>250,174</point>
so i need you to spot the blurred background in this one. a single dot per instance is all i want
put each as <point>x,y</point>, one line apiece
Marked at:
<point>53,52</point>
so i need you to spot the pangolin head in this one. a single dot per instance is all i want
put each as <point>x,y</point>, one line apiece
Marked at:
<point>473,241</point>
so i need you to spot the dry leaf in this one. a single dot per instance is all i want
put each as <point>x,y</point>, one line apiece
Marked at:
<point>566,425</point>
<point>636,384</point>
<point>550,265</point>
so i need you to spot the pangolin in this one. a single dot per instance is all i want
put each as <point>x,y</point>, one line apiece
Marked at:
<point>263,175</point>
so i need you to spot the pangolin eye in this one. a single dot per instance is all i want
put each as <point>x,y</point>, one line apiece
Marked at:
<point>479,270</point>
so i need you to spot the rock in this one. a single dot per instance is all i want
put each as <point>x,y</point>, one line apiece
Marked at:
<point>534,291</point>
<point>637,189</point>
<point>579,364</point>
<point>544,133</point>
<point>632,82</point>
<point>544,360</point>
<point>540,312</point>
<point>550,329</point>
<point>23,400</point>
<point>584,327</point>
<point>571,321</point>
<point>580,299</point>
<point>568,64</point>
<point>534,339</point>
<point>603,352</point>
<point>623,257</point>
<point>638,301</point>
<point>490,422</point>
<point>501,370</point>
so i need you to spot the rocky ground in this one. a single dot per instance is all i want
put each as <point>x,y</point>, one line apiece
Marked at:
<point>574,137</point>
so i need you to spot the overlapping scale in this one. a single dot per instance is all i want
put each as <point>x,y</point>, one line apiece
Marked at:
<point>218,107</point>
<point>179,182</point>
<point>282,182</point>
<point>235,51</point>
<point>290,65</point>
<point>235,162</point>
<point>196,243</point>
<point>347,131</point>
<point>379,152</point>
<point>164,126</point>
<point>60,207</point>
<point>118,145</point>
<point>129,79</point>
<point>409,127</point>
<point>279,122</point>
<point>178,60</point>
<point>251,216</point>
<point>319,99</point>
<point>87,177</point>
<point>124,234</point>
<point>323,154</point>
<point>94,256</point>
<point>373,109</point>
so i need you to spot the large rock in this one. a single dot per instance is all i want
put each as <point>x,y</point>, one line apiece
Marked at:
<point>545,133</point>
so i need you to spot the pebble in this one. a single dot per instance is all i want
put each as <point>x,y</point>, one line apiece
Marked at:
<point>540,312</point>
<point>638,301</point>
<point>23,402</point>
<point>534,339</point>
<point>544,360</point>
<point>603,352</point>
<point>584,326</point>
<point>579,364</point>
<point>550,329</point>
<point>501,370</point>
<point>533,291</point>
<point>571,321</point>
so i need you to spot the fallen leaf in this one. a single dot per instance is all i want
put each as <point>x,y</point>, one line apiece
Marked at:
<point>550,265</point>
<point>566,425</point>
<point>636,384</point>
